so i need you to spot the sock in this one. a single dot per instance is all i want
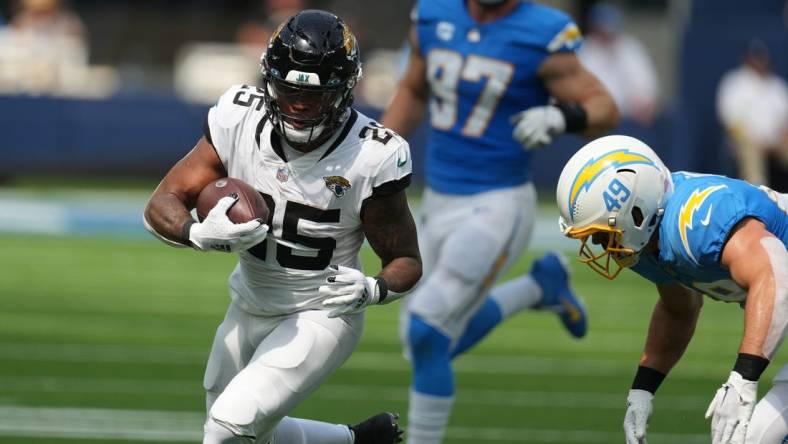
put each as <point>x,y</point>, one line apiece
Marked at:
<point>504,301</point>
<point>303,431</point>
<point>429,350</point>
<point>482,323</point>
<point>516,295</point>
<point>433,383</point>
<point>428,417</point>
<point>215,433</point>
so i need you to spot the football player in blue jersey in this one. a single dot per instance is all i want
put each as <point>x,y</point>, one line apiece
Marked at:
<point>501,78</point>
<point>690,234</point>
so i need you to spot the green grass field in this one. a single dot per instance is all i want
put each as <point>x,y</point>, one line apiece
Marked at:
<point>104,341</point>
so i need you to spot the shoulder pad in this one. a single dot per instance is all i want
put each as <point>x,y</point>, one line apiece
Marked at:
<point>236,103</point>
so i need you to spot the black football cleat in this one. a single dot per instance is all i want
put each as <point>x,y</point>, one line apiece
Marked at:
<point>379,429</point>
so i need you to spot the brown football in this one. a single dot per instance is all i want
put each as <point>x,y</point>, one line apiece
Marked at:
<point>250,204</point>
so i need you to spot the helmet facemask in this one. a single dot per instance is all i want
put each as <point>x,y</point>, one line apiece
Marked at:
<point>603,247</point>
<point>304,114</point>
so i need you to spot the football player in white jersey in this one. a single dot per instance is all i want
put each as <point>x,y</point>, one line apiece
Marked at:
<point>331,177</point>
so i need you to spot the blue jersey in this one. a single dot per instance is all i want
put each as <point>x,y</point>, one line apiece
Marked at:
<point>480,75</point>
<point>698,219</point>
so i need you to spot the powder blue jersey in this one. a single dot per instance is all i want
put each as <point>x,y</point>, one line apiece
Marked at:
<point>698,219</point>
<point>480,75</point>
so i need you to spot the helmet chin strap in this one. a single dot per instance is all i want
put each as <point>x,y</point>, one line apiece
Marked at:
<point>308,139</point>
<point>304,136</point>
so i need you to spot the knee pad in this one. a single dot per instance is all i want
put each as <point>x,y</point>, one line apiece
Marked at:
<point>218,433</point>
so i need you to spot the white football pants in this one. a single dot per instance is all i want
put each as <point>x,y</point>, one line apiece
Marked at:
<point>466,243</point>
<point>261,367</point>
<point>769,422</point>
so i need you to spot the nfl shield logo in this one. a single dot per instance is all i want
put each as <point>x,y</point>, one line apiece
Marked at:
<point>444,31</point>
<point>281,174</point>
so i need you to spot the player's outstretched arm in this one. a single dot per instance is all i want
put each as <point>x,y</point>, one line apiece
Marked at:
<point>758,262</point>
<point>406,110</point>
<point>390,230</point>
<point>569,81</point>
<point>672,326</point>
<point>167,212</point>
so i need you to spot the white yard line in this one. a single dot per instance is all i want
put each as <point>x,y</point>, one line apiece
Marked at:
<point>166,426</point>
<point>378,361</point>
<point>355,392</point>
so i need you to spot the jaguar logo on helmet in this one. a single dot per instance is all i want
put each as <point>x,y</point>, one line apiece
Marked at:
<point>350,40</point>
<point>337,184</point>
<point>277,31</point>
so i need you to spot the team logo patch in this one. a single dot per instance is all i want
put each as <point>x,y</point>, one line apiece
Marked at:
<point>305,78</point>
<point>337,184</point>
<point>281,174</point>
<point>688,210</point>
<point>444,31</point>
<point>568,39</point>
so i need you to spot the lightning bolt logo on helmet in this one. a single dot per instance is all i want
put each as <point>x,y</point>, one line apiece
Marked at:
<point>594,168</point>
<point>688,210</point>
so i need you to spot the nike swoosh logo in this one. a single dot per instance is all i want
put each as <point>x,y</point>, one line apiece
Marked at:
<point>400,152</point>
<point>574,314</point>
<point>705,221</point>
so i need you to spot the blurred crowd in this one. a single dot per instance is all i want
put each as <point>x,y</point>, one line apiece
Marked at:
<point>45,50</point>
<point>752,103</point>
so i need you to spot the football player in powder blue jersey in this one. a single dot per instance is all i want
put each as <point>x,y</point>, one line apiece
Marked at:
<point>690,234</point>
<point>501,78</point>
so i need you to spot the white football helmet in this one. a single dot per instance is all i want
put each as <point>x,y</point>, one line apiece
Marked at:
<point>613,191</point>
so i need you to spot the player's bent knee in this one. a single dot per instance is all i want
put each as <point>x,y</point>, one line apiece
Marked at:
<point>216,432</point>
<point>769,422</point>
<point>238,413</point>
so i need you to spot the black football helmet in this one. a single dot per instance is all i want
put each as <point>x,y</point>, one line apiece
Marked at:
<point>309,70</point>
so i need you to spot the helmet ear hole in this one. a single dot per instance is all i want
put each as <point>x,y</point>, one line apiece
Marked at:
<point>637,216</point>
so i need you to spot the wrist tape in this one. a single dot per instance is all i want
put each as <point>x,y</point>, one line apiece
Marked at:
<point>647,379</point>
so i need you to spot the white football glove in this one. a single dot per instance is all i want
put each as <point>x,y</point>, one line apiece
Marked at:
<point>218,232</point>
<point>731,409</point>
<point>537,126</point>
<point>348,291</point>
<point>637,416</point>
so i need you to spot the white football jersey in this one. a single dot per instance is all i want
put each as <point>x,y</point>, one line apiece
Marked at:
<point>316,200</point>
